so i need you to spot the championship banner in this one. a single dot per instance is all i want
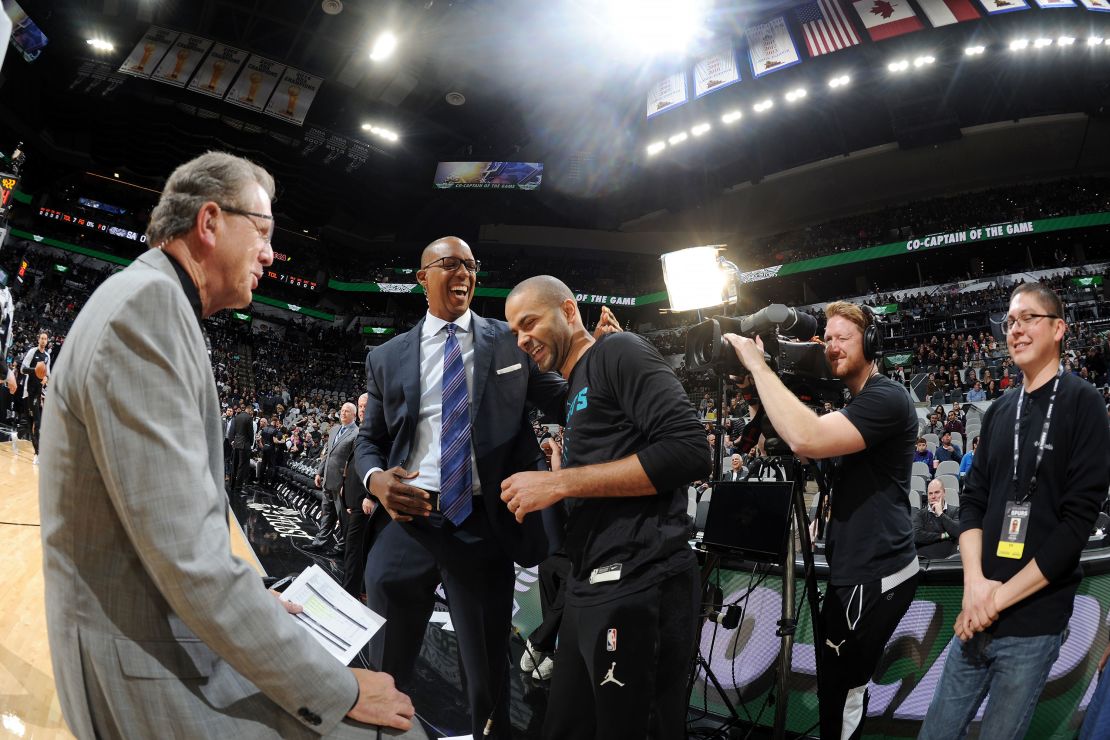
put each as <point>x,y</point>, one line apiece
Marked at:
<point>770,47</point>
<point>1056,3</point>
<point>148,52</point>
<point>1101,6</point>
<point>294,96</point>
<point>182,59</point>
<point>255,83</point>
<point>218,70</point>
<point>489,175</point>
<point>7,187</point>
<point>669,92</point>
<point>995,7</point>
<point>715,71</point>
<point>27,38</point>
<point>886,19</point>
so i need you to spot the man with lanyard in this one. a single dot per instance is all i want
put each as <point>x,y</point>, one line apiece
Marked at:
<point>1032,495</point>
<point>631,444</point>
<point>873,569</point>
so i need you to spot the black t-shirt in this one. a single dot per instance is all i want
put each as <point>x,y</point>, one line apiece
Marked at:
<point>1071,486</point>
<point>624,399</point>
<point>267,436</point>
<point>870,534</point>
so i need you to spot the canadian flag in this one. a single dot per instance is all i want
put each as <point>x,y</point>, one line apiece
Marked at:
<point>946,12</point>
<point>886,19</point>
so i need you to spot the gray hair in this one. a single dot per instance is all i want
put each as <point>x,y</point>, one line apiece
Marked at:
<point>213,176</point>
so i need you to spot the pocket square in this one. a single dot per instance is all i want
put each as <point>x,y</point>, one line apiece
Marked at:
<point>509,369</point>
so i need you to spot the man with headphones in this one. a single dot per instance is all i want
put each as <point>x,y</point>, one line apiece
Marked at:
<point>873,569</point>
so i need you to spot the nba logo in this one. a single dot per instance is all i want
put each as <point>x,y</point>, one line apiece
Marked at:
<point>611,640</point>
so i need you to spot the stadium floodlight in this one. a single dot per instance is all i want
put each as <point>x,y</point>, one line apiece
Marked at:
<point>1042,43</point>
<point>100,44</point>
<point>1094,40</point>
<point>381,132</point>
<point>899,66</point>
<point>763,105</point>
<point>923,60</point>
<point>1019,44</point>
<point>1065,41</point>
<point>694,278</point>
<point>678,138</point>
<point>655,147</point>
<point>975,51</point>
<point>732,116</point>
<point>700,129</point>
<point>840,81</point>
<point>384,46</point>
<point>653,26</point>
<point>795,95</point>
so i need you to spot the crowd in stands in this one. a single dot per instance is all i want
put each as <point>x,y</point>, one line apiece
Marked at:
<point>936,215</point>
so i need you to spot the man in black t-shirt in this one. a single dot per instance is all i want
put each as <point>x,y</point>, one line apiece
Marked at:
<point>631,444</point>
<point>1036,482</point>
<point>873,569</point>
<point>33,385</point>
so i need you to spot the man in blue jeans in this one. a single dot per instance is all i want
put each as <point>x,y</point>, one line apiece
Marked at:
<point>1032,495</point>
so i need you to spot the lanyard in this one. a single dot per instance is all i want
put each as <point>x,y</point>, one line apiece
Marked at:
<point>1041,444</point>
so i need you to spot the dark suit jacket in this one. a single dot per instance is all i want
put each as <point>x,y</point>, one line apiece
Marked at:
<point>335,457</point>
<point>500,432</point>
<point>242,431</point>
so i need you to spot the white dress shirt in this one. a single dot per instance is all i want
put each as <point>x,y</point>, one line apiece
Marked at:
<point>425,452</point>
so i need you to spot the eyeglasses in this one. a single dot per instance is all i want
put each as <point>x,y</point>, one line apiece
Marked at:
<point>247,215</point>
<point>450,264</point>
<point>1025,320</point>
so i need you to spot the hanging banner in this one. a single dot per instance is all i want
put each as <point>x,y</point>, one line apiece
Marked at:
<point>994,7</point>
<point>255,83</point>
<point>669,92</point>
<point>489,175</point>
<point>218,70</point>
<point>1101,6</point>
<point>886,19</point>
<point>178,64</point>
<point>1056,3</point>
<point>148,52</point>
<point>27,38</point>
<point>293,96</point>
<point>770,47</point>
<point>7,187</point>
<point>715,71</point>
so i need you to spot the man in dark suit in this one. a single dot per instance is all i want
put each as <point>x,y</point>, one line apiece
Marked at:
<point>445,424</point>
<point>737,471</point>
<point>365,520</point>
<point>242,439</point>
<point>329,474</point>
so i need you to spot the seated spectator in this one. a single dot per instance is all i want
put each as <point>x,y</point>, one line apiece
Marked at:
<point>946,450</point>
<point>953,424</point>
<point>936,527</point>
<point>935,425</point>
<point>977,393</point>
<point>993,391</point>
<point>921,453</point>
<point>965,464</point>
<point>736,471</point>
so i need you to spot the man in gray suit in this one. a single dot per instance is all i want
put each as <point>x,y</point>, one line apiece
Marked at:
<point>329,474</point>
<point>155,628</point>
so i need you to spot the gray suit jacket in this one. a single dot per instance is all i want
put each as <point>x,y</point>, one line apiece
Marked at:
<point>334,460</point>
<point>155,629</point>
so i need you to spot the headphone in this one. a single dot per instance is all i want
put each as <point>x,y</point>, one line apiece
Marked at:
<point>872,337</point>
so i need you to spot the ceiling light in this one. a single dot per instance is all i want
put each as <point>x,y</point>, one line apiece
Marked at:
<point>655,147</point>
<point>1065,40</point>
<point>1094,40</point>
<point>100,44</point>
<point>1019,44</point>
<point>1042,43</point>
<point>797,94</point>
<point>899,66</point>
<point>700,129</point>
<point>381,132</point>
<point>653,26</point>
<point>840,81</point>
<point>678,138</point>
<point>384,46</point>
<point>763,105</point>
<point>732,116</point>
<point>974,51</point>
<point>923,60</point>
<point>115,175</point>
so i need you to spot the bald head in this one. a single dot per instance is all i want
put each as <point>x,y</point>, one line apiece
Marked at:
<point>440,247</point>
<point>542,291</point>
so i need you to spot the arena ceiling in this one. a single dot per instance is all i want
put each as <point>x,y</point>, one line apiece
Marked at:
<point>542,83</point>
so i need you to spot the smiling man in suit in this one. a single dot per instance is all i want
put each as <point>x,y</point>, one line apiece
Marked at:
<point>445,423</point>
<point>155,627</point>
<point>329,475</point>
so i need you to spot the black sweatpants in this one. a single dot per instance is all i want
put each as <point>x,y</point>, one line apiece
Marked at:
<point>856,622</point>
<point>553,574</point>
<point>622,666</point>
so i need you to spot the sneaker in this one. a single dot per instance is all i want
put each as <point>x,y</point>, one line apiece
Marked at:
<point>531,658</point>
<point>544,669</point>
<point>35,461</point>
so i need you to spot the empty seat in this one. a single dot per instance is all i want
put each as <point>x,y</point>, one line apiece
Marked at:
<point>921,470</point>
<point>915,500</point>
<point>958,440</point>
<point>949,467</point>
<point>917,483</point>
<point>930,437</point>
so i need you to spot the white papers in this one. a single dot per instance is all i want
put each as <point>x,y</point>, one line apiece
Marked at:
<point>337,620</point>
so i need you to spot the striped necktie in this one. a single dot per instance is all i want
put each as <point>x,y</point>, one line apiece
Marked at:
<point>454,460</point>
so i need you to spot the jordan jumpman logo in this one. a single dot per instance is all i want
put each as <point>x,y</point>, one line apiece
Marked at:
<point>609,678</point>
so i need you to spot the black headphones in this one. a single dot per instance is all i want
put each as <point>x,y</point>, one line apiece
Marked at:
<point>872,337</point>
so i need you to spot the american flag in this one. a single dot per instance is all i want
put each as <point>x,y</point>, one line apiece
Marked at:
<point>826,27</point>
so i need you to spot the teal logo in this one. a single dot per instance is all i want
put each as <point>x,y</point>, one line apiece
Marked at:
<point>577,403</point>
